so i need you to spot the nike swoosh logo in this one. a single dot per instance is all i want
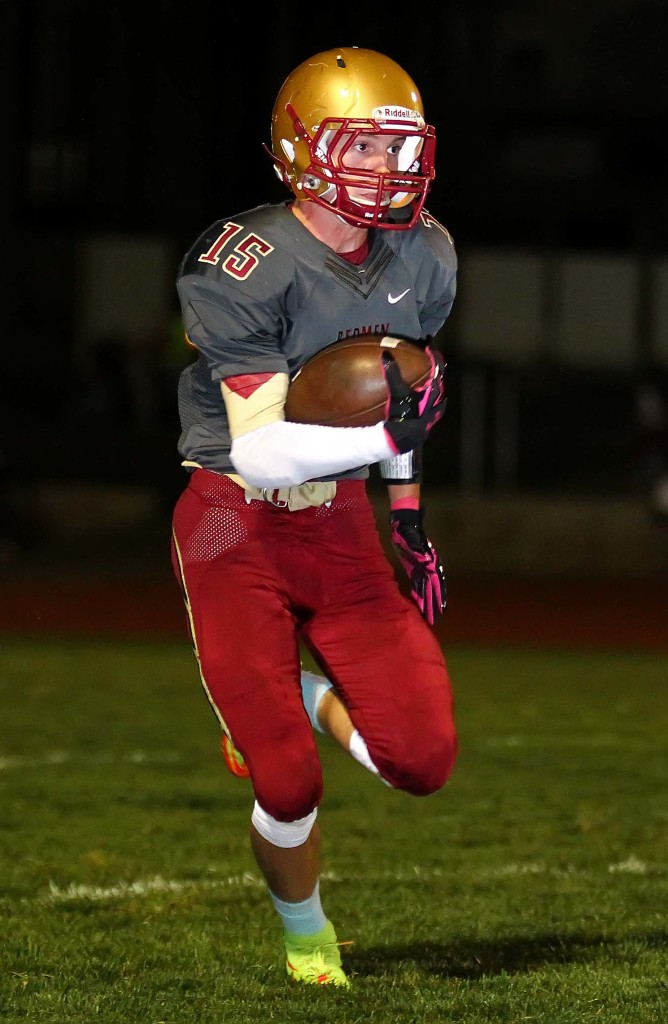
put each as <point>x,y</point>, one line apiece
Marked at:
<point>395,298</point>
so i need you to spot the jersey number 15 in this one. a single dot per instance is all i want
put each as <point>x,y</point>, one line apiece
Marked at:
<point>243,259</point>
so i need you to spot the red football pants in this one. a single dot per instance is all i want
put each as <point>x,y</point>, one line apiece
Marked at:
<point>257,581</point>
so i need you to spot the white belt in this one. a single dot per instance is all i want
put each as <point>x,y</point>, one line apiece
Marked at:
<point>298,496</point>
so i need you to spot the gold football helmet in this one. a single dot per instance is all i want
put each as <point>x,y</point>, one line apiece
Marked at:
<point>322,109</point>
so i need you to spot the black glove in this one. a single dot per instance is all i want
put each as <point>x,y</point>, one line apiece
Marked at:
<point>421,562</point>
<point>412,412</point>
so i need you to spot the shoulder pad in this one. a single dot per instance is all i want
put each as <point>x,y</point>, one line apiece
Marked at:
<point>249,253</point>
<point>430,233</point>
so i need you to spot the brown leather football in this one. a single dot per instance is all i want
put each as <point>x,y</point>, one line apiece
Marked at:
<point>343,385</point>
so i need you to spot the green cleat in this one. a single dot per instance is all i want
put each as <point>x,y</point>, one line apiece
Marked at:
<point>315,959</point>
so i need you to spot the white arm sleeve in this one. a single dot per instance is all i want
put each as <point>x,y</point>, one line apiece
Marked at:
<point>281,454</point>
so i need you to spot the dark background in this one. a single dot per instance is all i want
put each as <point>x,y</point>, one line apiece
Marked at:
<point>148,119</point>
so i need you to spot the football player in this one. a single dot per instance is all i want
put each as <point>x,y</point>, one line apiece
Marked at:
<point>274,537</point>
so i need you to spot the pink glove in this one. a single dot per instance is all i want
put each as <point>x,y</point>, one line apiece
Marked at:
<point>420,560</point>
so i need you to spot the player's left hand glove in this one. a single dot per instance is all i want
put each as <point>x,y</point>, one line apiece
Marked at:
<point>420,560</point>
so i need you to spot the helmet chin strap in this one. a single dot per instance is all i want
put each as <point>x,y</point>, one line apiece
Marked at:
<point>329,195</point>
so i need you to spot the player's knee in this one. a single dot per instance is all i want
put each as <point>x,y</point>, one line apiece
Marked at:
<point>427,766</point>
<point>432,774</point>
<point>288,787</point>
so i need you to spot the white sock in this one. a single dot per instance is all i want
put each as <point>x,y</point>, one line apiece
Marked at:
<point>359,751</point>
<point>304,918</point>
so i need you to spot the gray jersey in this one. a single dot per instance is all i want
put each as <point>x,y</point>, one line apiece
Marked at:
<point>260,294</point>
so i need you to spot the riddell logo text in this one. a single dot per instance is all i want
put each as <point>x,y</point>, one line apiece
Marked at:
<point>396,114</point>
<point>358,332</point>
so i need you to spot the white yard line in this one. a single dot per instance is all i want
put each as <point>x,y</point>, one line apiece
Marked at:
<point>58,757</point>
<point>247,880</point>
<point>546,741</point>
<point>631,866</point>
<point>145,886</point>
<point>54,758</point>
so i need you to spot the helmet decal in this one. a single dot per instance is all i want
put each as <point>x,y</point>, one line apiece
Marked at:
<point>401,114</point>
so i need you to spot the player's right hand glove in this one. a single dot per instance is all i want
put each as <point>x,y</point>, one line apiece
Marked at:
<point>412,412</point>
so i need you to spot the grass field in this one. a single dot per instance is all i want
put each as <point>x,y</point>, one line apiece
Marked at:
<point>532,888</point>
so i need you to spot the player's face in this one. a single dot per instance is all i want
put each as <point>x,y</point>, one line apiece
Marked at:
<point>369,152</point>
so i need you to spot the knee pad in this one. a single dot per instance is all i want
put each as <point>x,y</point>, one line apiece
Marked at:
<point>285,834</point>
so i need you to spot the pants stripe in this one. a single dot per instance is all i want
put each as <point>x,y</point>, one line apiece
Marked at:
<point>193,635</point>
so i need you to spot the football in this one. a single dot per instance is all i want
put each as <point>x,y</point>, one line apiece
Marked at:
<point>343,385</point>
